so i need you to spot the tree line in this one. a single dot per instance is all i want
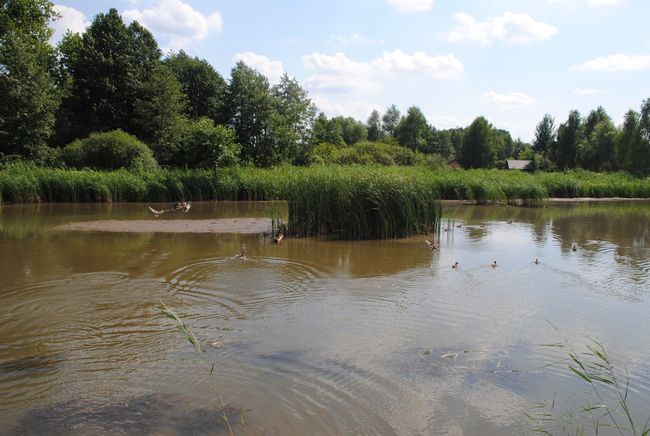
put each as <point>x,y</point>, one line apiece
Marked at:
<point>109,96</point>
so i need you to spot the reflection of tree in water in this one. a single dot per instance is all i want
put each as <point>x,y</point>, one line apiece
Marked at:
<point>624,224</point>
<point>361,258</point>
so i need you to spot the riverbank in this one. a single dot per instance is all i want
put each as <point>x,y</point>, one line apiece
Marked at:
<point>29,184</point>
<point>353,202</point>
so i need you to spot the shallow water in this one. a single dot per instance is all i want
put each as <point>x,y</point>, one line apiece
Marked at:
<point>314,336</point>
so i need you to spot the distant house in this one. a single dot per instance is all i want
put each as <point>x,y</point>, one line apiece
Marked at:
<point>454,164</point>
<point>521,165</point>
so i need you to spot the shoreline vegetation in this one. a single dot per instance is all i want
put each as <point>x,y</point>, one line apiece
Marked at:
<point>353,202</point>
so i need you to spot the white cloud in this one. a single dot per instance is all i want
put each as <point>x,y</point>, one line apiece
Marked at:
<point>439,67</point>
<point>507,101</point>
<point>177,20</point>
<point>71,19</point>
<point>355,39</point>
<point>338,63</point>
<point>590,3</point>
<point>273,70</point>
<point>358,109</point>
<point>615,63</point>
<point>587,91</point>
<point>338,73</point>
<point>408,6</point>
<point>593,3</point>
<point>513,28</point>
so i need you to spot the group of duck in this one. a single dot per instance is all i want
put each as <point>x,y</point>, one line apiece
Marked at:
<point>432,246</point>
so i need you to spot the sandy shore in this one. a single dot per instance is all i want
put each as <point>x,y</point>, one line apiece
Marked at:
<point>226,225</point>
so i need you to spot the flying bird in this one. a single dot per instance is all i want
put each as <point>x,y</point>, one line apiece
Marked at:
<point>431,245</point>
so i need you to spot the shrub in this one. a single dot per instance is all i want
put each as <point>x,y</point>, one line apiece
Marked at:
<point>109,151</point>
<point>206,145</point>
<point>366,153</point>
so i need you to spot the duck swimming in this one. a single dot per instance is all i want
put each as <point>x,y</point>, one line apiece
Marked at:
<point>456,265</point>
<point>279,236</point>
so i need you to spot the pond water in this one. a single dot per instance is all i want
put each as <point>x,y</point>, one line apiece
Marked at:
<point>315,336</point>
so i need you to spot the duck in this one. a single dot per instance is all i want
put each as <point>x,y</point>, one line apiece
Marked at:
<point>183,206</point>
<point>279,236</point>
<point>536,261</point>
<point>432,246</point>
<point>509,222</point>
<point>456,265</point>
<point>156,212</point>
<point>574,247</point>
<point>241,255</point>
<point>494,264</point>
<point>459,226</point>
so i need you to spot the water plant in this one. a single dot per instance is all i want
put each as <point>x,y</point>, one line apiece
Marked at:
<point>605,405</point>
<point>189,335</point>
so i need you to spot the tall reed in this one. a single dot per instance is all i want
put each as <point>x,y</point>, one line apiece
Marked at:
<point>607,403</point>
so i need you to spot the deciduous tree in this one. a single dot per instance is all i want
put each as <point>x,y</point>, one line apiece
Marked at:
<point>28,97</point>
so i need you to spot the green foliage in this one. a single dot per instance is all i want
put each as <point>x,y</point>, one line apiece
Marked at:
<point>413,131</point>
<point>250,114</point>
<point>450,142</point>
<point>27,90</point>
<point>327,131</point>
<point>352,131</point>
<point>375,133</point>
<point>109,73</point>
<point>182,327</point>
<point>544,134</point>
<point>390,120</point>
<point>607,402</point>
<point>642,152</point>
<point>293,117</point>
<point>157,114</point>
<point>361,203</point>
<point>366,153</point>
<point>597,151</point>
<point>27,183</point>
<point>205,145</point>
<point>109,151</point>
<point>479,145</point>
<point>564,150</point>
<point>203,86</point>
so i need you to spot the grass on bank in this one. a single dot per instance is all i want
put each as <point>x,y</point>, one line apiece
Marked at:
<point>350,201</point>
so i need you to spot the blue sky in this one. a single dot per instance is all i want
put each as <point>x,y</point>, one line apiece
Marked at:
<point>510,61</point>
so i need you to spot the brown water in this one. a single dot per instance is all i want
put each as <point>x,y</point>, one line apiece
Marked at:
<point>314,336</point>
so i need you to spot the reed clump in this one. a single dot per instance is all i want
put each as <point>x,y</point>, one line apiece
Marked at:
<point>361,203</point>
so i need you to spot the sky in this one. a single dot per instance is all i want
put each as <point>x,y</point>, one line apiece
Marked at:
<point>511,61</point>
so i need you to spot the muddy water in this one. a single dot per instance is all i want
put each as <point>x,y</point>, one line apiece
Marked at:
<point>314,336</point>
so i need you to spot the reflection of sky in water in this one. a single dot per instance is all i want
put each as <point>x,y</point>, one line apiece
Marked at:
<point>328,336</point>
